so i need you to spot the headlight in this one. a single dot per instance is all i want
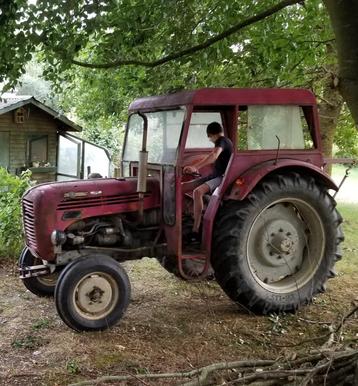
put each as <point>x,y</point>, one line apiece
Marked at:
<point>58,238</point>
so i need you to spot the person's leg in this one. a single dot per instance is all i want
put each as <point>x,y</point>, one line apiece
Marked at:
<point>199,204</point>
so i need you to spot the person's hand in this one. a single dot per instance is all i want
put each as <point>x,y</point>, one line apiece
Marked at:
<point>190,169</point>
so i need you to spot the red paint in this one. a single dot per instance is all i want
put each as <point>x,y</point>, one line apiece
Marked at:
<point>49,206</point>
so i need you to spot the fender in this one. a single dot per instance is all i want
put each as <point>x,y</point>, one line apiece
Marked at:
<point>237,187</point>
<point>242,185</point>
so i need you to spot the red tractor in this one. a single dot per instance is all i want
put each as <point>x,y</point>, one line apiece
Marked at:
<point>270,231</point>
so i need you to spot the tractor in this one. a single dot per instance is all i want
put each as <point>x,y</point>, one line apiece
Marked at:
<point>270,232</point>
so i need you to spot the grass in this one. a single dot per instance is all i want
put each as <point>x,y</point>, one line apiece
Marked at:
<point>350,246</point>
<point>338,171</point>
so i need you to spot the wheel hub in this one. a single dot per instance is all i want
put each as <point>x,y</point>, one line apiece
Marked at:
<point>94,295</point>
<point>277,242</point>
<point>281,243</point>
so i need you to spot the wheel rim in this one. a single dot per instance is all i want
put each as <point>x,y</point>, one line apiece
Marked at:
<point>46,280</point>
<point>95,295</point>
<point>285,245</point>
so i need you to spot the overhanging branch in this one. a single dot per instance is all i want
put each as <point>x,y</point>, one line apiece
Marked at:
<point>191,50</point>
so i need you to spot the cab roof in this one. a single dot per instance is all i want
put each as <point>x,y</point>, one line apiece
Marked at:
<point>226,97</point>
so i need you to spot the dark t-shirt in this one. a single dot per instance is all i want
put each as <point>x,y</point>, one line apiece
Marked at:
<point>224,157</point>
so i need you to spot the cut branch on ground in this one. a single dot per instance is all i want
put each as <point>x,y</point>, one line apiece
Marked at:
<point>321,367</point>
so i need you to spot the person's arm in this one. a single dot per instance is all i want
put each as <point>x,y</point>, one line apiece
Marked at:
<point>208,160</point>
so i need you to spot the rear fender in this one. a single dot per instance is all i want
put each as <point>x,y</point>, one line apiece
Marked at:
<point>246,182</point>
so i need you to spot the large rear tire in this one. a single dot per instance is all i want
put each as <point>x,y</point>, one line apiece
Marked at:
<point>92,293</point>
<point>275,250</point>
<point>39,285</point>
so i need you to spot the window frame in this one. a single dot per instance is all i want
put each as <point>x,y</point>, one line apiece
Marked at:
<point>306,113</point>
<point>30,138</point>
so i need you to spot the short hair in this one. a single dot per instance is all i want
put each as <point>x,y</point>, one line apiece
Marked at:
<point>214,128</point>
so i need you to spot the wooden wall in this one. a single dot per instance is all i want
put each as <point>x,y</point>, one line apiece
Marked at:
<point>36,122</point>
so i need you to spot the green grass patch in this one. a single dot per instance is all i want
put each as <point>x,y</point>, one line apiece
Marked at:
<point>29,342</point>
<point>348,264</point>
<point>338,172</point>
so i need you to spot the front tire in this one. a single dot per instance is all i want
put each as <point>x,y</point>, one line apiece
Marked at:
<point>43,285</point>
<point>275,250</point>
<point>92,293</point>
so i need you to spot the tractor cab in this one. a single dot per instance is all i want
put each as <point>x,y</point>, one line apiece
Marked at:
<point>268,128</point>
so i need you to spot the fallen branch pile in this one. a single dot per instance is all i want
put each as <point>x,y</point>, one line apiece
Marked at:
<point>326,367</point>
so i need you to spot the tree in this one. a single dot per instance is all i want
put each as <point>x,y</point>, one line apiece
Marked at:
<point>343,16</point>
<point>161,46</point>
<point>270,53</point>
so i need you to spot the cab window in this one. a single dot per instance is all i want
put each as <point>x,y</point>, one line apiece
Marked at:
<point>197,137</point>
<point>260,126</point>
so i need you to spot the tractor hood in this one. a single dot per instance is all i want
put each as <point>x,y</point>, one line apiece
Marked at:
<point>55,206</point>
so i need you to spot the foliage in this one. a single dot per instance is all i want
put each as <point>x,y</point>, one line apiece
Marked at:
<point>41,324</point>
<point>32,83</point>
<point>129,42</point>
<point>28,342</point>
<point>346,138</point>
<point>271,53</point>
<point>11,190</point>
<point>72,366</point>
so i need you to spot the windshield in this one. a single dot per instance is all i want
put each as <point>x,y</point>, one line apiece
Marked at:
<point>164,129</point>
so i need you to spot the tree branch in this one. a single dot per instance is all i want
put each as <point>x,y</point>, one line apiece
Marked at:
<point>191,50</point>
<point>318,364</point>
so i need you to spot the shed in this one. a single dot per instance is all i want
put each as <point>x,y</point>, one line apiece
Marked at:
<point>31,135</point>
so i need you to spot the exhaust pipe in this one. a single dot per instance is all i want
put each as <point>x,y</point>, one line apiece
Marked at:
<point>142,168</point>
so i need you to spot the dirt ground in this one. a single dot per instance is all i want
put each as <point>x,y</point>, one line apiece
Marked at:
<point>170,325</point>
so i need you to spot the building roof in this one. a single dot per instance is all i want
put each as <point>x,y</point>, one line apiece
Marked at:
<point>9,102</point>
<point>227,97</point>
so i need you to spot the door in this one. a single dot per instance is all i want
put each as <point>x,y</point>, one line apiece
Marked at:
<point>77,158</point>
<point>4,149</point>
<point>68,158</point>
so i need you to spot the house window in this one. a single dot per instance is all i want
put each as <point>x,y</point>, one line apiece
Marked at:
<point>19,115</point>
<point>37,150</point>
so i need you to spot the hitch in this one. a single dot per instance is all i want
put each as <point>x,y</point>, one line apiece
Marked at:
<point>34,270</point>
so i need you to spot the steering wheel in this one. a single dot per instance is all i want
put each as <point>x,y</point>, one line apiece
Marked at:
<point>194,174</point>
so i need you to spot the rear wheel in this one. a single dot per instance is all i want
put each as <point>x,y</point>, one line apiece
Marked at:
<point>276,249</point>
<point>43,285</point>
<point>92,293</point>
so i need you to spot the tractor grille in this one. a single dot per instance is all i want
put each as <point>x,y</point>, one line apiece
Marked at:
<point>29,222</point>
<point>87,202</point>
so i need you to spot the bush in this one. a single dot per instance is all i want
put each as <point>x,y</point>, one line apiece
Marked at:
<point>11,190</point>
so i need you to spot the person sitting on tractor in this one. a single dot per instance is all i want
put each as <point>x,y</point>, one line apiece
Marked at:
<point>220,157</point>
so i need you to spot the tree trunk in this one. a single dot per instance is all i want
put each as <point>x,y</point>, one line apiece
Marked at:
<point>344,16</point>
<point>329,111</point>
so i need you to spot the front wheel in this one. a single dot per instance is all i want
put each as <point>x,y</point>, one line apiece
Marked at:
<point>276,249</point>
<point>92,293</point>
<point>43,285</point>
